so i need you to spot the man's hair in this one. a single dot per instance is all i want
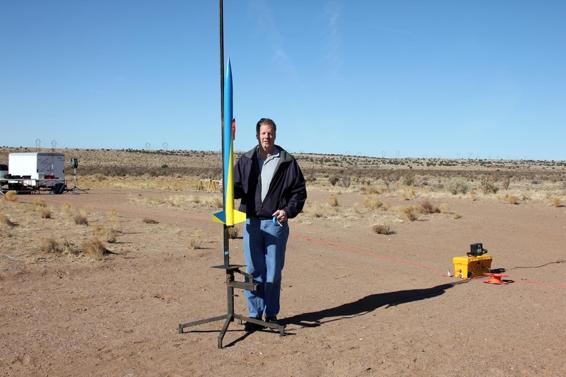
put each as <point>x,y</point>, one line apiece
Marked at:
<point>266,121</point>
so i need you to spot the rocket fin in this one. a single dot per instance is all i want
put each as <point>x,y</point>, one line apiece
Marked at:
<point>239,217</point>
<point>219,217</point>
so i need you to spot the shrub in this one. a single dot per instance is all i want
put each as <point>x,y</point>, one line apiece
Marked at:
<point>49,245</point>
<point>4,220</point>
<point>233,232</point>
<point>67,208</point>
<point>11,196</point>
<point>372,203</point>
<point>411,213</point>
<point>408,180</point>
<point>487,186</point>
<point>382,229</point>
<point>107,234</point>
<point>197,240</point>
<point>371,189</point>
<point>333,201</point>
<point>80,218</point>
<point>555,201</point>
<point>39,203</point>
<point>94,249</point>
<point>511,199</point>
<point>45,212</point>
<point>345,181</point>
<point>333,180</point>
<point>458,186</point>
<point>427,207</point>
<point>217,202</point>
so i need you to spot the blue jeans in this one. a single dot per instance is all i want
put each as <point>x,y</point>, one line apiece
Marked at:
<point>264,250</point>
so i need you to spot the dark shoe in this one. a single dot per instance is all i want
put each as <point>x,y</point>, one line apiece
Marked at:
<point>272,319</point>
<point>251,327</point>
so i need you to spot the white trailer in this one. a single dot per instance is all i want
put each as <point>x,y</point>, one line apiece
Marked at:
<point>36,171</point>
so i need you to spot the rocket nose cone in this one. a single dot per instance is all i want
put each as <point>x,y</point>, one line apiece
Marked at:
<point>229,69</point>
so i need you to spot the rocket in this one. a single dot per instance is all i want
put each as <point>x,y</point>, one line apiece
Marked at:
<point>229,216</point>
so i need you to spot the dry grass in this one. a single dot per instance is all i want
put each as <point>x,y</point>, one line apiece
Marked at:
<point>114,219</point>
<point>382,229</point>
<point>196,240</point>
<point>372,190</point>
<point>511,199</point>
<point>41,208</point>
<point>458,186</point>
<point>314,209</point>
<point>233,232</point>
<point>556,201</point>
<point>80,217</point>
<point>474,196</point>
<point>217,202</point>
<point>108,234</point>
<point>410,213</point>
<point>182,201</point>
<point>487,186</point>
<point>333,200</point>
<point>11,196</point>
<point>69,248</point>
<point>141,182</point>
<point>372,203</point>
<point>67,209</point>
<point>5,221</point>
<point>50,245</point>
<point>94,249</point>
<point>443,207</point>
<point>45,212</point>
<point>428,208</point>
<point>38,203</point>
<point>408,192</point>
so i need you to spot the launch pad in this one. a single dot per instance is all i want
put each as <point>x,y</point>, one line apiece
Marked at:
<point>231,284</point>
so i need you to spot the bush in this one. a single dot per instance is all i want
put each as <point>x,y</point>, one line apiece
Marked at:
<point>333,201</point>
<point>94,249</point>
<point>345,181</point>
<point>427,207</point>
<point>382,229</point>
<point>4,220</point>
<point>80,218</point>
<point>49,245</point>
<point>372,203</point>
<point>555,201</point>
<point>458,186</point>
<point>11,196</point>
<point>411,213</point>
<point>233,232</point>
<point>511,199</point>
<point>487,186</point>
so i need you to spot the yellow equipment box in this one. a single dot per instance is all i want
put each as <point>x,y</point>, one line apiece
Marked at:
<point>470,267</point>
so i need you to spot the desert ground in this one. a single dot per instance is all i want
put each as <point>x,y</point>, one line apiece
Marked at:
<point>95,282</point>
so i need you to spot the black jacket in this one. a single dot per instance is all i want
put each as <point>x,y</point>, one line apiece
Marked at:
<point>287,190</point>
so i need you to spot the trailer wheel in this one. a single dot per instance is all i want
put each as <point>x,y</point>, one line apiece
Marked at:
<point>58,189</point>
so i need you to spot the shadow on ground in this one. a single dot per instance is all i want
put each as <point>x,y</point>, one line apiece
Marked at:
<point>366,305</point>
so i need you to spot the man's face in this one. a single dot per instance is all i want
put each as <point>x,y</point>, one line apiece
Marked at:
<point>266,137</point>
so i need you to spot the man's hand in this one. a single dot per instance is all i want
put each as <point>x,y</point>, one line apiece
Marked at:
<point>281,216</point>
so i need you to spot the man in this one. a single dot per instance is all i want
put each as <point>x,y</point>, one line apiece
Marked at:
<point>272,188</point>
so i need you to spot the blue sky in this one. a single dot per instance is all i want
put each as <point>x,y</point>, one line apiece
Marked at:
<point>391,78</point>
